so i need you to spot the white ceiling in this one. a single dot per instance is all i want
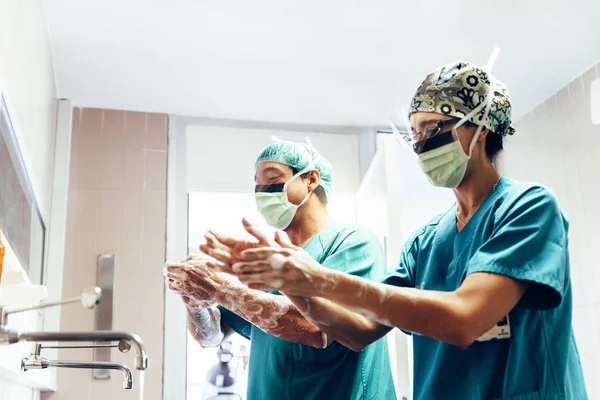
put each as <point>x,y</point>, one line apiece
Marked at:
<point>340,62</point>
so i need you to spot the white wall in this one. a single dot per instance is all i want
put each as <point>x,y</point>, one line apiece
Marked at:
<point>222,158</point>
<point>28,85</point>
<point>27,81</point>
<point>557,145</point>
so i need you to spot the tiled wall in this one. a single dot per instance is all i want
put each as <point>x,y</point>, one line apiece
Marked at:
<point>556,144</point>
<point>117,205</point>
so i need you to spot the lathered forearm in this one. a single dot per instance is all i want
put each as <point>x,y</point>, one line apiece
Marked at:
<point>204,324</point>
<point>337,323</point>
<point>275,315</point>
<point>430,313</point>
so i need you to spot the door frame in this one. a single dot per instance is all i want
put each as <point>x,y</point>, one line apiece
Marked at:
<point>174,371</point>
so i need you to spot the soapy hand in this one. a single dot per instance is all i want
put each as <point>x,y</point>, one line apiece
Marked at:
<point>194,281</point>
<point>281,266</point>
<point>224,251</point>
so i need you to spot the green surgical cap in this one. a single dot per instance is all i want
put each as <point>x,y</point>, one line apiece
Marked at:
<point>302,157</point>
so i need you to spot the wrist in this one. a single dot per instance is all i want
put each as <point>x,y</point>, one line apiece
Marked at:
<point>198,305</point>
<point>326,283</point>
<point>228,292</point>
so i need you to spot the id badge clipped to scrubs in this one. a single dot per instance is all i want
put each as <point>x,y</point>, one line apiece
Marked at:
<point>500,331</point>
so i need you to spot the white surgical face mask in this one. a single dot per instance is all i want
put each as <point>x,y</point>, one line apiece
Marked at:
<point>275,207</point>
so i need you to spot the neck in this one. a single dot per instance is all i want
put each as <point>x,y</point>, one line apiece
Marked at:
<point>307,224</point>
<point>475,188</point>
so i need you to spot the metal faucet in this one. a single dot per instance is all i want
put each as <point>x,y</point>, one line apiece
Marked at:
<point>35,361</point>
<point>88,299</point>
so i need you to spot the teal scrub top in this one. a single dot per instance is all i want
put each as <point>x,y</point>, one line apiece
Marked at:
<point>283,370</point>
<point>519,231</point>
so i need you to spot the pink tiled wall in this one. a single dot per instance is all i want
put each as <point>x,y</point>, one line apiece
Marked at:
<point>117,205</point>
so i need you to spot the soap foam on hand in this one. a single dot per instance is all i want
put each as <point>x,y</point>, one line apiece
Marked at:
<point>277,261</point>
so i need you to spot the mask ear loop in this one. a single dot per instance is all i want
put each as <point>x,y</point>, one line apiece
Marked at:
<point>489,98</point>
<point>285,186</point>
<point>488,106</point>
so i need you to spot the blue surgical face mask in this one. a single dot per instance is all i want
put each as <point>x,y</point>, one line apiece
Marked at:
<point>273,204</point>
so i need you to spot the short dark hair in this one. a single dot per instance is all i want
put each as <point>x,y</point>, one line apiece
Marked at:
<point>319,191</point>
<point>494,144</point>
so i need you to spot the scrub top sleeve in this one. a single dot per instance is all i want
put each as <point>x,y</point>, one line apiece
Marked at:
<point>403,273</point>
<point>237,323</point>
<point>358,254</point>
<point>529,242</point>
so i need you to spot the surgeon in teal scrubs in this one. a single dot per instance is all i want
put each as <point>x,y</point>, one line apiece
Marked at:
<point>290,357</point>
<point>483,287</point>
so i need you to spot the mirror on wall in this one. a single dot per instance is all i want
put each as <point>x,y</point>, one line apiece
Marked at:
<point>20,217</point>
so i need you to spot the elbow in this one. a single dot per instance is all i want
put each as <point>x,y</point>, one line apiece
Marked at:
<point>460,338</point>
<point>360,344</point>
<point>207,344</point>
<point>321,340</point>
<point>358,347</point>
<point>462,335</point>
<point>460,326</point>
<point>207,341</point>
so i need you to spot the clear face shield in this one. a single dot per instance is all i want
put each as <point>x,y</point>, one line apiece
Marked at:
<point>435,134</point>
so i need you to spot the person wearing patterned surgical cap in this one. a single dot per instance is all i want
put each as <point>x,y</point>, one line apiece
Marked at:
<point>484,286</point>
<point>498,257</point>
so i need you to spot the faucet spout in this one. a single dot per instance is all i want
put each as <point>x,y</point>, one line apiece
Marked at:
<point>35,362</point>
<point>141,359</point>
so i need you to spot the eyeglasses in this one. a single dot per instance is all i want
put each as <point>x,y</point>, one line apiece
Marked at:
<point>433,128</point>
<point>434,135</point>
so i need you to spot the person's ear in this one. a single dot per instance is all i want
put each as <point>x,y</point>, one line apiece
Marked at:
<point>314,177</point>
<point>483,134</point>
